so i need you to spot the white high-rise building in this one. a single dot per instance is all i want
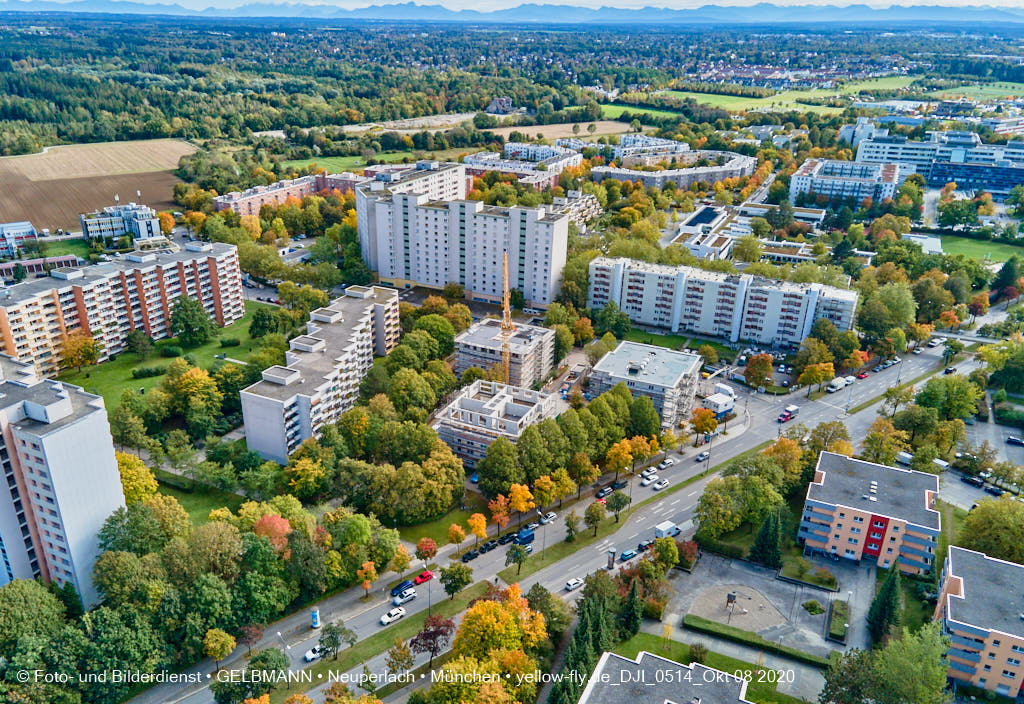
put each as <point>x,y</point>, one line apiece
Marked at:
<point>732,306</point>
<point>847,179</point>
<point>417,229</point>
<point>60,479</point>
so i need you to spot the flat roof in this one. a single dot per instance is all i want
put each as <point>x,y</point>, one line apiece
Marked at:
<point>648,363</point>
<point>993,591</point>
<point>486,333</point>
<point>703,216</point>
<point>20,384</point>
<point>900,493</point>
<point>651,679</point>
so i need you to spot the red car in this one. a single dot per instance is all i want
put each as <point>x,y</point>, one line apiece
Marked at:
<point>424,576</point>
<point>862,375</point>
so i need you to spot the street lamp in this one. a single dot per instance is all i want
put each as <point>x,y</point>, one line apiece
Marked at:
<point>428,586</point>
<point>544,533</point>
<point>283,642</point>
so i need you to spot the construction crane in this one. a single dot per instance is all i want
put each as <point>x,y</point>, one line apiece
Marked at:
<point>506,324</point>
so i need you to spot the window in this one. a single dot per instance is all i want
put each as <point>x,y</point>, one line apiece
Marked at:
<point>995,644</point>
<point>852,541</point>
<point>987,668</point>
<point>1012,661</point>
<point>1009,673</point>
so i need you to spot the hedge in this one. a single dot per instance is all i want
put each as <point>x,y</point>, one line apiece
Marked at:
<point>230,342</point>
<point>171,351</point>
<point>720,547</point>
<point>839,616</point>
<point>145,372</point>
<point>1007,414</point>
<point>738,635</point>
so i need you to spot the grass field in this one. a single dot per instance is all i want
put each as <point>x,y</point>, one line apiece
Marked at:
<point>52,188</point>
<point>77,246</point>
<point>437,530</point>
<point>616,110</point>
<point>982,92</point>
<point>335,164</point>
<point>110,379</point>
<point>677,342</point>
<point>978,249</point>
<point>564,129</point>
<point>199,503</point>
<point>760,692</point>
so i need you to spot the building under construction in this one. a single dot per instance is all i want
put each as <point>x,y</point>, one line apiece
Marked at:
<point>531,351</point>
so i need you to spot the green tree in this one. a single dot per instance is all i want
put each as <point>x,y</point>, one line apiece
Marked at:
<point>399,657</point>
<point>767,547</point>
<point>617,501</point>
<point>455,578</point>
<point>139,342</point>
<point>27,609</point>
<point>631,612</point>
<point>996,528</point>
<point>500,469</point>
<point>218,644</point>
<point>951,395</point>
<point>572,526</point>
<point>440,329</point>
<point>190,322</point>
<point>643,418</point>
<point>516,555</point>
<point>913,667</point>
<point>593,516</point>
<point>886,610</point>
<point>334,635</point>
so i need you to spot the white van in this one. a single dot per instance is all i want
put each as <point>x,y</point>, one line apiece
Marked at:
<point>836,384</point>
<point>904,458</point>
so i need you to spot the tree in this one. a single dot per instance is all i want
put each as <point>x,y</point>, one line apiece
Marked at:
<point>996,528</point>
<point>456,534</point>
<point>619,456</point>
<point>631,612</point>
<point>499,468</point>
<point>250,635</point>
<point>455,578</point>
<point>767,547</point>
<point>896,396</point>
<point>703,421</point>
<point>500,512</point>
<point>190,322</point>
<point>643,418</point>
<point>478,526</point>
<point>758,370</point>
<point>80,349</point>
<point>400,560</point>
<point>747,249</point>
<point>137,479</point>
<point>816,375</point>
<point>616,502</point>
<point>333,636</point>
<point>951,395</point>
<point>434,637</point>
<point>572,526</point>
<point>708,353</point>
<point>367,574</point>
<point>913,667</point>
<point>582,471</point>
<point>28,610</point>
<point>218,644</point>
<point>534,458</point>
<point>520,499</point>
<point>139,342</point>
<point>883,442</point>
<point>611,319</point>
<point>399,657</point>
<point>440,329</point>
<point>593,516</point>
<point>516,555</point>
<point>849,679</point>
<point>885,612</point>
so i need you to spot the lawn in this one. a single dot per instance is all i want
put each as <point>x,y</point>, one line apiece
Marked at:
<point>676,342</point>
<point>783,101</point>
<point>335,164</point>
<point>757,691</point>
<point>916,611</point>
<point>612,112</point>
<point>985,91</point>
<point>437,530</point>
<point>58,247</point>
<point>200,502</point>
<point>980,249</point>
<point>110,379</point>
<point>952,520</point>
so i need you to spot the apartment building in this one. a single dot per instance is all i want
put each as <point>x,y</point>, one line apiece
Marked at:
<point>579,206</point>
<point>865,511</point>
<point>981,607</point>
<point>249,201</point>
<point>535,164</point>
<point>135,219</point>
<point>731,306</point>
<point>865,128</point>
<point>667,377</point>
<point>651,678</point>
<point>416,229</point>
<point>532,349</point>
<point>631,145</point>
<point>60,479</point>
<point>723,165</point>
<point>133,292</point>
<point>952,156</point>
<point>13,235</point>
<point>322,371</point>
<point>485,411</point>
<point>846,179</point>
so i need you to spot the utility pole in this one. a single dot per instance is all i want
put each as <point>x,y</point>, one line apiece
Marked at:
<point>506,322</point>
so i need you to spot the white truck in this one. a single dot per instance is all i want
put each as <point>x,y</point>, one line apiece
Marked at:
<point>668,529</point>
<point>836,384</point>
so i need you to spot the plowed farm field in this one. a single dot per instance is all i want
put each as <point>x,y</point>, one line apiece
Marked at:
<point>51,189</point>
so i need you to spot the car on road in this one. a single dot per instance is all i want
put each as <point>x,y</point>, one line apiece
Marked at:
<point>850,379</point>
<point>649,479</point>
<point>532,525</point>
<point>573,584</point>
<point>877,368</point>
<point>405,597</point>
<point>917,350</point>
<point>548,517</point>
<point>487,546</point>
<point>650,471</point>
<point>619,484</point>
<point>644,545</point>
<point>862,375</point>
<point>702,456</point>
<point>392,616</point>
<point>506,539</point>
<point>666,463</point>
<point>949,370</point>
<point>475,478</point>
<point>314,653</point>
<point>973,481</point>
<point>658,486</point>
<point>470,555</point>
<point>994,490</point>
<point>604,491</point>
<point>399,588</point>
<point>1014,440</point>
<point>424,576</point>
<point>627,555</point>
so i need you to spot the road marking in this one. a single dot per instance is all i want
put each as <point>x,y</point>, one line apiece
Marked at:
<point>675,502</point>
<point>691,493</point>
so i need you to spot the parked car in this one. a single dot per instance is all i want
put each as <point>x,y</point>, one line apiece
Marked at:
<point>548,518</point>
<point>702,456</point>
<point>532,525</point>
<point>470,555</point>
<point>405,597</point>
<point>877,368</point>
<point>424,576</point>
<point>627,555</point>
<point>917,350</point>
<point>313,653</point>
<point>398,589</point>
<point>604,491</point>
<point>474,477</point>
<point>645,545</point>
<point>488,546</point>
<point>573,584</point>
<point>659,485</point>
<point>649,479</point>
<point>949,370</point>
<point>392,616</point>
<point>850,380</point>
<point>649,471</point>
<point>1014,440</point>
<point>619,484</point>
<point>506,539</point>
<point>994,490</point>
<point>973,481</point>
<point>666,463</point>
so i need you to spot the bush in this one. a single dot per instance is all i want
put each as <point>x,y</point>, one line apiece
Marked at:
<point>230,342</point>
<point>171,351</point>
<point>1008,414</point>
<point>739,635</point>
<point>982,413</point>
<point>146,372</point>
<point>687,553</point>
<point>813,607</point>
<point>999,396</point>
<point>838,619</point>
<point>698,652</point>
<point>720,547</point>
<point>654,608</point>
<point>824,577</point>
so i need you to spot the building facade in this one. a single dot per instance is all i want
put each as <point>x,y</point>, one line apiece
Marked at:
<point>537,165</point>
<point>981,605</point>
<point>60,479</point>
<point>134,292</point>
<point>322,372</point>
<point>730,165</point>
<point>485,411</point>
<point>249,201</point>
<point>531,347</point>
<point>846,179</point>
<point>139,221</point>
<point>860,510</point>
<point>13,235</point>
<point>633,144</point>
<point>731,306</point>
<point>667,377</point>
<point>417,229</point>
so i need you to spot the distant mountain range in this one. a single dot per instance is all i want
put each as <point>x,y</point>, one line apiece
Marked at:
<point>762,13</point>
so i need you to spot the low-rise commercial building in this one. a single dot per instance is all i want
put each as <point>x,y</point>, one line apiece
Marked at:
<point>249,201</point>
<point>667,377</point>
<point>650,678</point>
<point>485,411</point>
<point>532,350</point>
<point>981,607</point>
<point>39,266</point>
<point>732,306</point>
<point>13,235</point>
<point>416,228</point>
<point>860,510</point>
<point>723,165</point>
<point>322,371</point>
<point>135,219</point>
<point>60,479</point>
<point>846,179</point>
<point>136,291</point>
